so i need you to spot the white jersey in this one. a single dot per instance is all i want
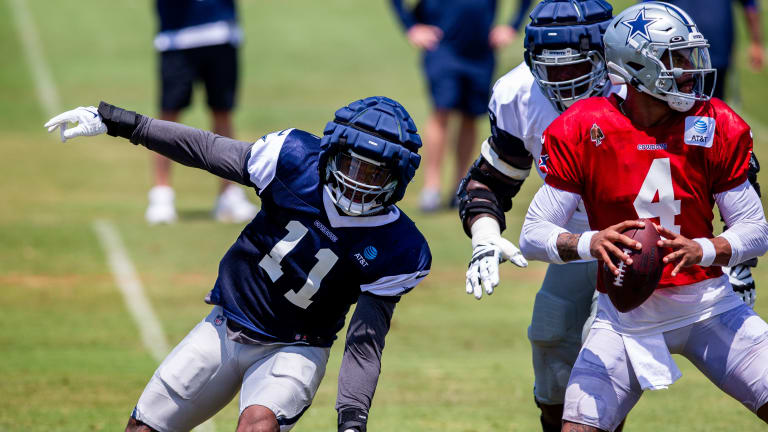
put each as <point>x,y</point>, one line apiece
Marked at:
<point>523,111</point>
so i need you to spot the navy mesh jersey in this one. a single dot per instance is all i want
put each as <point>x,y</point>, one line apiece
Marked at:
<point>295,270</point>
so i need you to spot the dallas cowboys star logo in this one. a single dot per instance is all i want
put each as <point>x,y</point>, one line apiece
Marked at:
<point>639,26</point>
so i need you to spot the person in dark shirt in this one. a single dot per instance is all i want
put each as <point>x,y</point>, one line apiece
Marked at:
<point>197,41</point>
<point>457,38</point>
<point>321,243</point>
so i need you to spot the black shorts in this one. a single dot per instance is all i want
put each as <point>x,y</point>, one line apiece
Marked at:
<point>459,84</point>
<point>216,66</point>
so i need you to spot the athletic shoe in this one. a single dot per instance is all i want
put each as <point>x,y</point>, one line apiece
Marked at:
<point>232,206</point>
<point>430,200</point>
<point>161,209</point>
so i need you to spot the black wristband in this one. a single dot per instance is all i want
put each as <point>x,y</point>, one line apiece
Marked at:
<point>119,122</point>
<point>352,418</point>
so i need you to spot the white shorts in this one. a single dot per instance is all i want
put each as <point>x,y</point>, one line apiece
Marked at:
<point>206,369</point>
<point>731,349</point>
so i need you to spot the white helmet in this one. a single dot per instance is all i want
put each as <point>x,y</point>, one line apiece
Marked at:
<point>651,45</point>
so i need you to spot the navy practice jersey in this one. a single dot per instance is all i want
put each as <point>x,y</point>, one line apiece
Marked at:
<point>296,269</point>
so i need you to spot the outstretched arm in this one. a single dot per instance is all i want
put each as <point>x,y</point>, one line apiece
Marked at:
<point>361,363</point>
<point>222,156</point>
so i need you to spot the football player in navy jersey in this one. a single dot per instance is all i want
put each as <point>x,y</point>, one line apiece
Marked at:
<point>321,243</point>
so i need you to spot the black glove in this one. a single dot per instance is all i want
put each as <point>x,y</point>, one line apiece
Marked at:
<point>352,419</point>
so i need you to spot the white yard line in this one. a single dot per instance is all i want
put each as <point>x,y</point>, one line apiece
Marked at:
<point>152,335</point>
<point>33,52</point>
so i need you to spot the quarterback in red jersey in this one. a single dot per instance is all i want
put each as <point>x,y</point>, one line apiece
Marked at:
<point>669,153</point>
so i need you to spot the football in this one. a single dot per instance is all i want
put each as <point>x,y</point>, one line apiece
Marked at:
<point>635,283</point>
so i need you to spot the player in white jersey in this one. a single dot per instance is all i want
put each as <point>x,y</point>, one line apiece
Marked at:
<point>564,63</point>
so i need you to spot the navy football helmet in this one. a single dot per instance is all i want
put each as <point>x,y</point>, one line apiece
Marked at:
<point>564,49</point>
<point>369,154</point>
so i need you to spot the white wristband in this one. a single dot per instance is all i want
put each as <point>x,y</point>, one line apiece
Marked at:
<point>484,230</point>
<point>583,247</point>
<point>708,251</point>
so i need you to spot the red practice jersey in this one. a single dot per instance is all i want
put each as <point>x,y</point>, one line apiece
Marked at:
<point>668,173</point>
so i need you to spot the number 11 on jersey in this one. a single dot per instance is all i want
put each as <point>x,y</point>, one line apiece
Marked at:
<point>271,264</point>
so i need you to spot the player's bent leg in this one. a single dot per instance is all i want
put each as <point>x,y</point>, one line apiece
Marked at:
<point>257,418</point>
<point>603,387</point>
<point>198,378</point>
<point>562,306</point>
<point>284,383</point>
<point>731,349</point>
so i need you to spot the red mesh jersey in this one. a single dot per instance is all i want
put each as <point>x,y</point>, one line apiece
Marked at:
<point>668,173</point>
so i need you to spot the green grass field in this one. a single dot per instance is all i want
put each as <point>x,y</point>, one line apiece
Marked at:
<point>70,354</point>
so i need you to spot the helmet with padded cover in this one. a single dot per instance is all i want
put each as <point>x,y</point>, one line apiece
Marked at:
<point>564,49</point>
<point>369,154</point>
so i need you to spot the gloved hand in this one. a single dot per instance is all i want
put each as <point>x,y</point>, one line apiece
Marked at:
<point>489,249</point>
<point>88,123</point>
<point>741,279</point>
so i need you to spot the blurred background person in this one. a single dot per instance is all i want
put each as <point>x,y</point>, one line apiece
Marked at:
<point>457,38</point>
<point>197,41</point>
<point>716,22</point>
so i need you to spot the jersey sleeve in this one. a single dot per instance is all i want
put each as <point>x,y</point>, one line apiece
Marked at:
<point>561,155</point>
<point>505,115</point>
<point>262,162</point>
<point>732,156</point>
<point>404,272</point>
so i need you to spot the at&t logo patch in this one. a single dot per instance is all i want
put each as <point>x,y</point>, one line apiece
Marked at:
<point>699,131</point>
<point>370,252</point>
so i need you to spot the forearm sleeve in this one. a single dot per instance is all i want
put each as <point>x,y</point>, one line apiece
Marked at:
<point>222,156</point>
<point>361,363</point>
<point>743,214</point>
<point>550,209</point>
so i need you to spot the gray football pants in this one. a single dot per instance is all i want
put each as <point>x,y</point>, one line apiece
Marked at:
<point>562,307</point>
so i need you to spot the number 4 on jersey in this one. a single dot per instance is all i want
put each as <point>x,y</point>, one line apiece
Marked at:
<point>659,179</point>
<point>271,264</point>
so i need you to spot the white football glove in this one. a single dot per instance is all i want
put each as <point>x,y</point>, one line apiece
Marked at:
<point>489,249</point>
<point>743,284</point>
<point>88,123</point>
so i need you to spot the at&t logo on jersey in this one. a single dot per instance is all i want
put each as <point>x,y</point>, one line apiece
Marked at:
<point>370,252</point>
<point>699,131</point>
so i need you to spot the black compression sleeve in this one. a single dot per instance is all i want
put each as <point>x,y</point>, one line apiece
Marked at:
<point>361,363</point>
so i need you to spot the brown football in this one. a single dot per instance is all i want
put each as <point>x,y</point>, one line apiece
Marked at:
<point>635,283</point>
